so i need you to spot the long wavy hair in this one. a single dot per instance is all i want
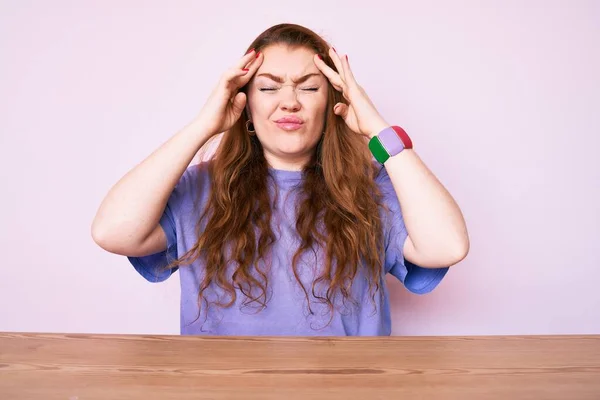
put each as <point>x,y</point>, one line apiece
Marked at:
<point>339,194</point>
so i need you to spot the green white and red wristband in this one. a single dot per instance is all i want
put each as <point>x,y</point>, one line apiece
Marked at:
<point>389,142</point>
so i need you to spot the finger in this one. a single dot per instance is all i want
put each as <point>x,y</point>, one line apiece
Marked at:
<point>245,60</point>
<point>258,58</point>
<point>348,72</point>
<point>252,67</point>
<point>240,76</point>
<point>330,74</point>
<point>233,73</point>
<point>238,103</point>
<point>341,109</point>
<point>242,67</point>
<point>337,62</point>
<point>231,77</point>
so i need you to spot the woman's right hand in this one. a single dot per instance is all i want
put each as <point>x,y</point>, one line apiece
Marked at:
<point>225,104</point>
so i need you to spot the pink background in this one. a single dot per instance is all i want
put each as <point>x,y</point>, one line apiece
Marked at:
<point>501,98</point>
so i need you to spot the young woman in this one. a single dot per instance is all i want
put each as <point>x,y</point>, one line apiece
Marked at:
<point>310,199</point>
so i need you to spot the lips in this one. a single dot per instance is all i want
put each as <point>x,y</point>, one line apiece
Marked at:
<point>288,126</point>
<point>290,120</point>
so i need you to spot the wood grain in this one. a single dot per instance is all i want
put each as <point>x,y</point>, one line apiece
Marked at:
<point>85,367</point>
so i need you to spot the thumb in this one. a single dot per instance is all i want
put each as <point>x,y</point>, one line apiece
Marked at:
<point>340,109</point>
<point>238,103</point>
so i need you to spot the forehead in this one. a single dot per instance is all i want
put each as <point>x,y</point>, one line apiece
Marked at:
<point>288,62</point>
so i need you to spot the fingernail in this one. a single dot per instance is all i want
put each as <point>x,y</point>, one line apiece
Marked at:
<point>320,58</point>
<point>245,69</point>
<point>333,49</point>
<point>257,54</point>
<point>250,51</point>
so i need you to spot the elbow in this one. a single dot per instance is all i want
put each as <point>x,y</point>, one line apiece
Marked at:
<point>101,237</point>
<point>441,256</point>
<point>106,239</point>
<point>458,251</point>
<point>117,240</point>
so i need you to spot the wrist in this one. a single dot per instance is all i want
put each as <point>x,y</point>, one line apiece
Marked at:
<point>389,142</point>
<point>377,128</point>
<point>198,132</point>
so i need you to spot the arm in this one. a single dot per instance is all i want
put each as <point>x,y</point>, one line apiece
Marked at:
<point>127,221</point>
<point>437,233</point>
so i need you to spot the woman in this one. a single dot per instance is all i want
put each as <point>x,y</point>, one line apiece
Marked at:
<point>291,227</point>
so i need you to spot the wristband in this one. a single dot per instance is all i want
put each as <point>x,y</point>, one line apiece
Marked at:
<point>389,142</point>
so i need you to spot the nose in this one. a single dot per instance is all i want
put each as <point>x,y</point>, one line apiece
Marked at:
<point>289,99</point>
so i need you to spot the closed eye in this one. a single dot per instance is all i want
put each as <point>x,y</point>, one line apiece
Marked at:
<point>271,89</point>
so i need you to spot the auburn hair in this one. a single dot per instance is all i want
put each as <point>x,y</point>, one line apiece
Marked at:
<point>338,193</point>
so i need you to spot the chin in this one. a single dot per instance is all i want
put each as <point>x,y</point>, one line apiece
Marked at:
<point>291,151</point>
<point>294,142</point>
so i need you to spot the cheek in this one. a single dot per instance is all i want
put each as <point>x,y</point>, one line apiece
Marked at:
<point>314,101</point>
<point>260,105</point>
<point>323,100</point>
<point>319,106</point>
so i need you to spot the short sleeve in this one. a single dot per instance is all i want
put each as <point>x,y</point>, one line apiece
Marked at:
<point>153,267</point>
<point>416,279</point>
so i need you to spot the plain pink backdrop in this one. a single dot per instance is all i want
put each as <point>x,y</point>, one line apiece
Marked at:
<point>501,98</point>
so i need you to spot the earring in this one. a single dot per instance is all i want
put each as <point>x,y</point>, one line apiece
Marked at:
<point>251,131</point>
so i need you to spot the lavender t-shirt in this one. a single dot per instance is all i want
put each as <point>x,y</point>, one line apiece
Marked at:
<point>287,311</point>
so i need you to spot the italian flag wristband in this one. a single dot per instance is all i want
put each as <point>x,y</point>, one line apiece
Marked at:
<point>389,142</point>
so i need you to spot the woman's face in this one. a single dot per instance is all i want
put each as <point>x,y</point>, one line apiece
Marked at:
<point>287,84</point>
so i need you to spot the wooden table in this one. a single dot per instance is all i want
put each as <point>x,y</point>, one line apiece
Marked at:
<point>84,367</point>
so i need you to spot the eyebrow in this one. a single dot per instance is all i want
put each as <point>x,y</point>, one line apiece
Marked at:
<point>280,79</point>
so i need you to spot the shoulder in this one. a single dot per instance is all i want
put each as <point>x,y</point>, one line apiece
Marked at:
<point>201,169</point>
<point>192,188</point>
<point>195,177</point>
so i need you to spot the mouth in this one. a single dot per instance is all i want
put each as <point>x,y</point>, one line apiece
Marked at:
<point>289,126</point>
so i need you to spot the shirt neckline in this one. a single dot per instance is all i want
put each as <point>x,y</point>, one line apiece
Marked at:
<point>286,178</point>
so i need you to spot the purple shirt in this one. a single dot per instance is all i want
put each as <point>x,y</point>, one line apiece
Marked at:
<point>287,310</point>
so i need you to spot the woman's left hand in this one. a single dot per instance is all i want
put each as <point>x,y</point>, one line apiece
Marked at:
<point>359,114</point>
